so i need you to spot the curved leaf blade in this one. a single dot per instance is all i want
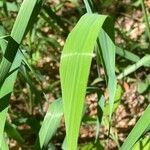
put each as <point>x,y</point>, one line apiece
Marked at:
<point>50,124</point>
<point>74,71</point>
<point>107,51</point>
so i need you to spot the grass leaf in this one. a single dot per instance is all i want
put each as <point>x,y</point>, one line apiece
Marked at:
<point>13,132</point>
<point>11,6</point>
<point>138,130</point>
<point>5,92</point>
<point>3,114</point>
<point>143,61</point>
<point>127,54</point>
<point>23,21</point>
<point>107,51</point>
<point>4,144</point>
<point>50,124</point>
<point>74,71</point>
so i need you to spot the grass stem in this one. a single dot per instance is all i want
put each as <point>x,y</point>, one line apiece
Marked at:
<point>146,18</point>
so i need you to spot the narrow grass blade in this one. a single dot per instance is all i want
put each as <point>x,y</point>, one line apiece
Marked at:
<point>74,71</point>
<point>24,58</point>
<point>107,51</point>
<point>138,130</point>
<point>13,132</point>
<point>5,7</point>
<point>5,92</point>
<point>23,21</point>
<point>89,6</point>
<point>3,114</point>
<point>51,23</point>
<point>100,109</point>
<point>3,110</point>
<point>11,6</point>
<point>2,41</point>
<point>28,79</point>
<point>50,124</point>
<point>143,61</point>
<point>11,76</point>
<point>146,18</point>
<point>55,17</point>
<point>127,54</point>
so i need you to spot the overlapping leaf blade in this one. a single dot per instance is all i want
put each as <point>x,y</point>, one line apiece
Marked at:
<point>107,49</point>
<point>27,14</point>
<point>106,53</point>
<point>5,92</point>
<point>12,58</point>
<point>74,70</point>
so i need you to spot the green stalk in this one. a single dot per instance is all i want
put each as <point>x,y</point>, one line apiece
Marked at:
<point>146,18</point>
<point>143,61</point>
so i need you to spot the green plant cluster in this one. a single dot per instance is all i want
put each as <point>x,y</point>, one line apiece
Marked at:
<point>25,40</point>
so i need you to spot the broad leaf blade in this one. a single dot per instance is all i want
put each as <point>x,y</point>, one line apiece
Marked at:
<point>4,144</point>
<point>74,71</point>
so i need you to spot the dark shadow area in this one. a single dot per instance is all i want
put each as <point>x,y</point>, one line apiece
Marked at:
<point>11,53</point>
<point>4,101</point>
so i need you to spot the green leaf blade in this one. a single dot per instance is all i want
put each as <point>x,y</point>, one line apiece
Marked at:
<point>138,130</point>
<point>108,54</point>
<point>74,70</point>
<point>50,124</point>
